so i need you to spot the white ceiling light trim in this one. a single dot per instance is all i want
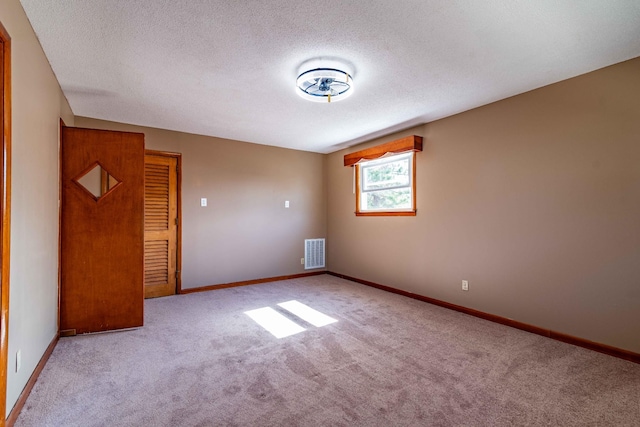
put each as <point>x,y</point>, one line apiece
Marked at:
<point>324,81</point>
<point>325,85</point>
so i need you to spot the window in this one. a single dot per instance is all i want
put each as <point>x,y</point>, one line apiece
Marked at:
<point>385,186</point>
<point>385,177</point>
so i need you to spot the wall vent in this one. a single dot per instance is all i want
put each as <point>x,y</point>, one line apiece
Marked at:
<point>313,253</point>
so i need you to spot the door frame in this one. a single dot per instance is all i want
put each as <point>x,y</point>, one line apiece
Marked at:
<point>5,216</point>
<point>178,157</point>
<point>60,130</point>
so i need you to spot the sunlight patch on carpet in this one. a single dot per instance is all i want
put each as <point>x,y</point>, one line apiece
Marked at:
<point>307,313</point>
<point>274,322</point>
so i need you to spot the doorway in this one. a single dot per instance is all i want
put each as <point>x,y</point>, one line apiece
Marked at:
<point>162,225</point>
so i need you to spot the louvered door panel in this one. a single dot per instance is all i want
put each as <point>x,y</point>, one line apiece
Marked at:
<point>156,262</point>
<point>156,205</point>
<point>160,226</point>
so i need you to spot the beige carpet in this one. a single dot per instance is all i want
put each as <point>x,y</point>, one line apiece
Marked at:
<point>387,361</point>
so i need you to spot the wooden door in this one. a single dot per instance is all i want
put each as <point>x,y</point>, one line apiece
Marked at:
<point>160,224</point>
<point>102,235</point>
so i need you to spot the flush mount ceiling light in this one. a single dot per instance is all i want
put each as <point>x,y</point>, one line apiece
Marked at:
<point>324,84</point>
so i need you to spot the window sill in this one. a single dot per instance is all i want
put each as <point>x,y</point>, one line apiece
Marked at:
<point>388,213</point>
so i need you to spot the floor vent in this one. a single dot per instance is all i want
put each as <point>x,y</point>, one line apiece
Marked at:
<point>313,253</point>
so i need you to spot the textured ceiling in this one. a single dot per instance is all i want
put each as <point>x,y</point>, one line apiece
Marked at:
<point>228,68</point>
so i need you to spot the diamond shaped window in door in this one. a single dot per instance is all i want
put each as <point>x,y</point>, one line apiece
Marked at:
<point>96,181</point>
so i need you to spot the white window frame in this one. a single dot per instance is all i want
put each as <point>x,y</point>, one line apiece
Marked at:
<point>361,193</point>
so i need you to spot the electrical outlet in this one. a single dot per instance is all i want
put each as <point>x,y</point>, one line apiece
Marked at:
<point>18,360</point>
<point>302,261</point>
<point>286,203</point>
<point>465,285</point>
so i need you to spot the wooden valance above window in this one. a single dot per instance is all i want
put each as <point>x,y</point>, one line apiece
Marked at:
<point>410,143</point>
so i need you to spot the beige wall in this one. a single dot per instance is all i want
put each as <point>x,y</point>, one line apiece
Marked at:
<point>245,232</point>
<point>37,105</point>
<point>534,199</point>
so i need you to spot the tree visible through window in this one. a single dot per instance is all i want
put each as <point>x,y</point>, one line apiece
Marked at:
<point>386,185</point>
